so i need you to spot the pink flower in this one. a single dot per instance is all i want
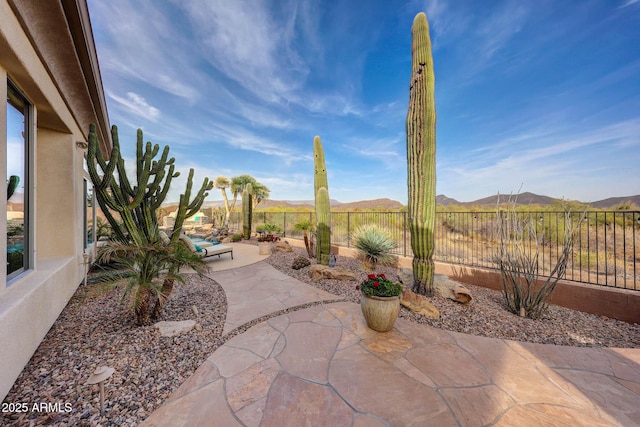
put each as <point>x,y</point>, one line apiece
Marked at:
<point>357,287</point>
<point>381,275</point>
<point>371,276</point>
<point>376,284</point>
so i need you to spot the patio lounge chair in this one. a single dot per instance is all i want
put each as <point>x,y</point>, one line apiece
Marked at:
<point>206,251</point>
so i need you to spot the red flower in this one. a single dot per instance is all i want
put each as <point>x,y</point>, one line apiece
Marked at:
<point>376,284</point>
<point>371,276</point>
<point>357,287</point>
<point>381,275</point>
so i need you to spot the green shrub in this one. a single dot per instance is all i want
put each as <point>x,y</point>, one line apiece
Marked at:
<point>268,228</point>
<point>236,237</point>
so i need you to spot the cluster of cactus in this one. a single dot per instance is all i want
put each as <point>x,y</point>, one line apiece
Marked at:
<point>247,210</point>
<point>322,204</point>
<point>421,156</point>
<point>12,184</point>
<point>136,203</point>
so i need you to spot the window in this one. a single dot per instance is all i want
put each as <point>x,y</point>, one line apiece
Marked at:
<point>89,214</point>
<point>18,110</point>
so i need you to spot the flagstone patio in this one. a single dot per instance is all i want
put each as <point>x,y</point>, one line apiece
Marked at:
<point>322,366</point>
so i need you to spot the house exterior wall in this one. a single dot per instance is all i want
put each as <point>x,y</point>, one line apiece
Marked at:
<point>47,50</point>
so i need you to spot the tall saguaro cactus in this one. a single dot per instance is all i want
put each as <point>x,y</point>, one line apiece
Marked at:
<point>247,211</point>
<point>421,156</point>
<point>322,204</point>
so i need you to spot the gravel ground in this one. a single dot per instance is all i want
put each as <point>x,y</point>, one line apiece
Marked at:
<point>486,315</point>
<point>95,331</point>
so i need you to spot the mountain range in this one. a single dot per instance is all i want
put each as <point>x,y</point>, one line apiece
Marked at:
<point>526,198</point>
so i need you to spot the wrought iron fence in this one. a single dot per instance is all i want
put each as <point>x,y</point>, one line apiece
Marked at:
<point>606,250</point>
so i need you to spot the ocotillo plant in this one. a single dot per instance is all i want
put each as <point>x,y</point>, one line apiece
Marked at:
<point>421,156</point>
<point>247,211</point>
<point>323,228</point>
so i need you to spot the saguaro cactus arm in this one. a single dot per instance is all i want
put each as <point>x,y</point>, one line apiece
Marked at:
<point>421,153</point>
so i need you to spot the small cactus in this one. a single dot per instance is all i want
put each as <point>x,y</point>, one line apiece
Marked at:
<point>247,211</point>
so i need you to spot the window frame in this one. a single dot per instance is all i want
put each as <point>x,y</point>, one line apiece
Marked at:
<point>28,112</point>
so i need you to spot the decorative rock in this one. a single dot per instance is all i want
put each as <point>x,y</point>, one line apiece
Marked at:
<point>300,262</point>
<point>170,329</point>
<point>282,247</point>
<point>442,285</point>
<point>405,276</point>
<point>198,327</point>
<point>226,240</point>
<point>418,304</point>
<point>194,309</point>
<point>451,289</point>
<point>319,271</point>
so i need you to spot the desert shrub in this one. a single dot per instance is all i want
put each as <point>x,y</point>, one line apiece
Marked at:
<point>268,228</point>
<point>517,256</point>
<point>236,237</point>
<point>374,244</point>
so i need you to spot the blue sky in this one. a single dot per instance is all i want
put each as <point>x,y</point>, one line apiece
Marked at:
<point>541,95</point>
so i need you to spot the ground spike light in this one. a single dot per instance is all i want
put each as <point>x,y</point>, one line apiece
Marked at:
<point>99,376</point>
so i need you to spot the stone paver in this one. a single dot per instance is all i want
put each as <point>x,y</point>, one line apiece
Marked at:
<point>259,289</point>
<point>322,366</point>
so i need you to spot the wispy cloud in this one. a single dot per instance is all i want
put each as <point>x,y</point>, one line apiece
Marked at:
<point>628,3</point>
<point>243,40</point>
<point>137,105</point>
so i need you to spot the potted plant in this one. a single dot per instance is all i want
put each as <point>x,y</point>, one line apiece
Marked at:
<point>380,301</point>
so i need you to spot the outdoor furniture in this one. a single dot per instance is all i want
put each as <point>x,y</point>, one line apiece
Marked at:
<point>206,251</point>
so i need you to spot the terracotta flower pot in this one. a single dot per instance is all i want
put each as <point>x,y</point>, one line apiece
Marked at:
<point>265,248</point>
<point>380,313</point>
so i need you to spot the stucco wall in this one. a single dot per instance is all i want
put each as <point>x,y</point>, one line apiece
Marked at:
<point>31,302</point>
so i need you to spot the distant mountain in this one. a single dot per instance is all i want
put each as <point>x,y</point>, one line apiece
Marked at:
<point>528,198</point>
<point>615,201</point>
<point>443,200</point>
<point>370,204</point>
<point>525,198</point>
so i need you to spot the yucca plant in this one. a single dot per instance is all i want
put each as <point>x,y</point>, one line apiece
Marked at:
<point>374,244</point>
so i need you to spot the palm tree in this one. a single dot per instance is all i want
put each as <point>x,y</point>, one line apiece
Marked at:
<point>222,182</point>
<point>147,272</point>
<point>306,228</point>
<point>260,192</point>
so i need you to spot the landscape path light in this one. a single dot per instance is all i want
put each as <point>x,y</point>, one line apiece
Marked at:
<point>99,376</point>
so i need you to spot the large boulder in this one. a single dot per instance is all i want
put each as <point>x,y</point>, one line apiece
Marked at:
<point>418,304</point>
<point>282,247</point>
<point>405,277</point>
<point>319,271</point>
<point>442,285</point>
<point>451,289</point>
